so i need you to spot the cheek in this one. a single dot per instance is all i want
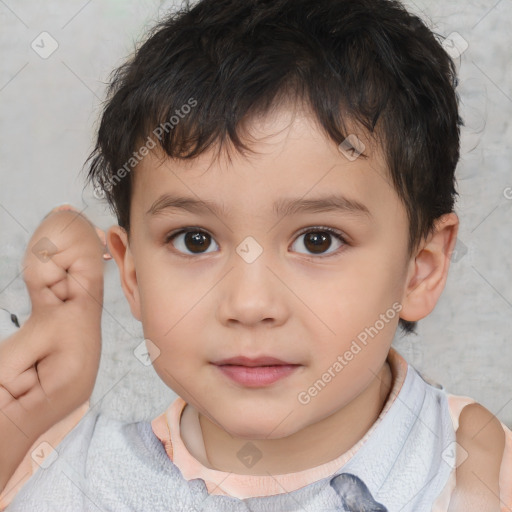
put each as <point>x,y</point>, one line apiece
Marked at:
<point>179,348</point>
<point>355,297</point>
<point>165,298</point>
<point>358,309</point>
<point>169,310</point>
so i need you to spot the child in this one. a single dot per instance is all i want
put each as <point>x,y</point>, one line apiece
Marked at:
<point>252,129</point>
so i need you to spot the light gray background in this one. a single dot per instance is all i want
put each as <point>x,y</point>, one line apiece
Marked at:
<point>50,108</point>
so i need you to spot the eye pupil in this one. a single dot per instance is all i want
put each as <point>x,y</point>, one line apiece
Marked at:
<point>195,240</point>
<point>318,240</point>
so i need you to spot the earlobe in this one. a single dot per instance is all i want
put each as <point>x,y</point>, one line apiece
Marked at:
<point>117,241</point>
<point>428,270</point>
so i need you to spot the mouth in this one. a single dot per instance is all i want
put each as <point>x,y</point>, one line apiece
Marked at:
<point>253,361</point>
<point>255,372</point>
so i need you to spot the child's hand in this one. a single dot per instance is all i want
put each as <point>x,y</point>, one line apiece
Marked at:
<point>49,366</point>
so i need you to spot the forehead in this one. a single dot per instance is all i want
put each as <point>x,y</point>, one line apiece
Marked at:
<point>293,158</point>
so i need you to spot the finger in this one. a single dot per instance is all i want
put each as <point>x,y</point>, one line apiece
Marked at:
<point>21,384</point>
<point>45,281</point>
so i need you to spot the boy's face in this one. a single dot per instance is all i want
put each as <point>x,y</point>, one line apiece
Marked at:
<point>203,298</point>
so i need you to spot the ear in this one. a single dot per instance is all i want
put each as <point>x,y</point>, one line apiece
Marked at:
<point>428,270</point>
<point>119,248</point>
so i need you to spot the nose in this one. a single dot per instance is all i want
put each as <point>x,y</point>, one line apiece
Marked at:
<point>252,293</point>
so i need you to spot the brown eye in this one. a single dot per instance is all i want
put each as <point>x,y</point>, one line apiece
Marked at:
<point>318,240</point>
<point>195,241</point>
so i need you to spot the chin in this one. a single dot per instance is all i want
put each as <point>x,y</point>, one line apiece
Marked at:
<point>255,428</point>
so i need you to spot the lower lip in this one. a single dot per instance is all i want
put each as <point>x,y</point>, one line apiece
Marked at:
<point>257,376</point>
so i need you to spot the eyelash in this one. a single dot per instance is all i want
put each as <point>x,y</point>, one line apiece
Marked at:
<point>324,229</point>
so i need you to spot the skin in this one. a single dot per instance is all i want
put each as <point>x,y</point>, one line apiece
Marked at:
<point>291,303</point>
<point>482,442</point>
<point>48,367</point>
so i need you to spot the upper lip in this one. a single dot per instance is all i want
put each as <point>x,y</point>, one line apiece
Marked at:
<point>256,361</point>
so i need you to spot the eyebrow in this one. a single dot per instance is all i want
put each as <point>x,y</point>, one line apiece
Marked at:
<point>282,207</point>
